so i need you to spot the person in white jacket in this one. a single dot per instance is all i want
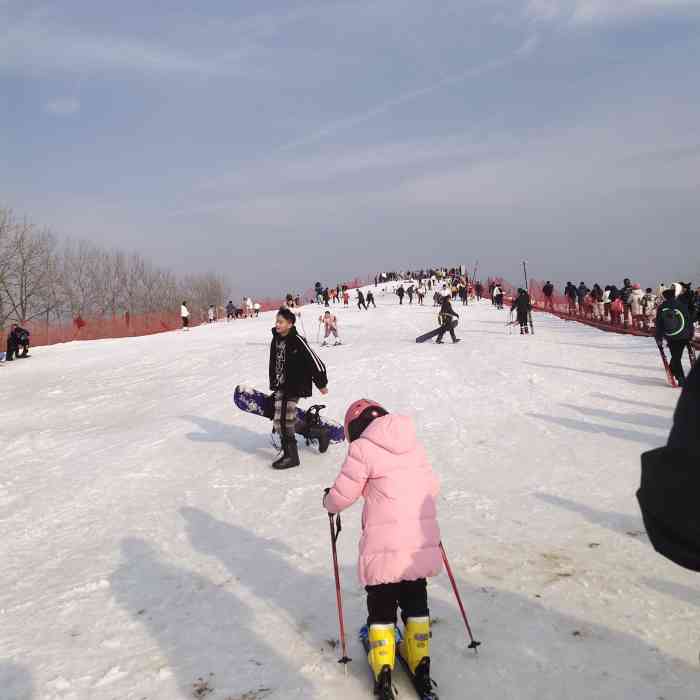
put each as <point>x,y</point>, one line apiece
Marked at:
<point>635,301</point>
<point>185,315</point>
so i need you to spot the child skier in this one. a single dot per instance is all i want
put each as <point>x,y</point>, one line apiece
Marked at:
<point>400,544</point>
<point>293,368</point>
<point>185,316</point>
<point>330,324</point>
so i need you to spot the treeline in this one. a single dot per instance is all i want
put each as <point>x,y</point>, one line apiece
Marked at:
<point>45,278</point>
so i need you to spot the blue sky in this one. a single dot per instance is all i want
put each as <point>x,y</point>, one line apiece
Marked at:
<point>280,142</point>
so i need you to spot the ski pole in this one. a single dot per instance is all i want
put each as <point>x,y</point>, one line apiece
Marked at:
<point>345,660</point>
<point>474,644</point>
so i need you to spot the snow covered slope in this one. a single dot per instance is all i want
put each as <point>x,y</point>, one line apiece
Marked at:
<point>149,552</point>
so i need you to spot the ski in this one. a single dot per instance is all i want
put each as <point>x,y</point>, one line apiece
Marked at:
<point>430,695</point>
<point>669,375</point>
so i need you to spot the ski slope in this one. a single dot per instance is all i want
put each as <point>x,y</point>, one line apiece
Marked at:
<point>150,553</point>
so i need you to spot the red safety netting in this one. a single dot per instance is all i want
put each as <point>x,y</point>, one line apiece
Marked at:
<point>127,325</point>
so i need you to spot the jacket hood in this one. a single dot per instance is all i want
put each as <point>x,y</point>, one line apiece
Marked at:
<point>394,433</point>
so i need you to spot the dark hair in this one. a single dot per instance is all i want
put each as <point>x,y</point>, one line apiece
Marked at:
<point>360,424</point>
<point>288,315</point>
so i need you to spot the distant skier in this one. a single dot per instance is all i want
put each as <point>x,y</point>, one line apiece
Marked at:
<point>346,297</point>
<point>230,311</point>
<point>498,296</point>
<point>421,292</point>
<point>409,291</point>
<point>571,294</point>
<point>400,545</point>
<point>447,317</point>
<point>370,299</point>
<point>185,316</point>
<point>675,325</point>
<point>361,303</point>
<point>330,326</point>
<point>294,366</point>
<point>548,291</point>
<point>211,314</point>
<point>400,293</point>
<point>479,289</point>
<point>523,307</point>
<point>256,309</point>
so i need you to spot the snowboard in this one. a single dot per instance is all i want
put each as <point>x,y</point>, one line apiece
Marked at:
<point>364,638</point>
<point>253,401</point>
<point>432,334</point>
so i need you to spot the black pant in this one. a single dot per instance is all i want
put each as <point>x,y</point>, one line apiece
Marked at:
<point>384,599</point>
<point>362,305</point>
<point>447,328</point>
<point>676,348</point>
<point>371,301</point>
<point>12,349</point>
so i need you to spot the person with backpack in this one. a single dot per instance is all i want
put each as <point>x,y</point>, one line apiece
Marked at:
<point>571,294</point>
<point>674,324</point>
<point>523,307</point>
<point>400,543</point>
<point>293,368</point>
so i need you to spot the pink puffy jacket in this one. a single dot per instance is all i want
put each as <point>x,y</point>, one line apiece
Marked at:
<point>390,469</point>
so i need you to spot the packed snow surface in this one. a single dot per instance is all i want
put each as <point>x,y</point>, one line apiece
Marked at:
<point>149,552</point>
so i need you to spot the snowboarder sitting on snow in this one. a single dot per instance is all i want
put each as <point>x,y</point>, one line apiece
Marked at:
<point>293,368</point>
<point>17,338</point>
<point>674,323</point>
<point>330,325</point>
<point>446,317</point>
<point>400,545</point>
<point>521,304</point>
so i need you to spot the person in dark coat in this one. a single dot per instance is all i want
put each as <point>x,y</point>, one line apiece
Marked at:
<point>294,368</point>
<point>522,306</point>
<point>571,293</point>
<point>670,487</point>
<point>548,291</point>
<point>400,292</point>
<point>675,325</point>
<point>17,338</point>
<point>447,317</point>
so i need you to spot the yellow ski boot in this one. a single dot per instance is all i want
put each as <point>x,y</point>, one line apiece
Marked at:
<point>415,652</point>
<point>382,657</point>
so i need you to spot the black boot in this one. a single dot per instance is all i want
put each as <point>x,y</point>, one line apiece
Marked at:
<point>318,432</point>
<point>290,458</point>
<point>383,687</point>
<point>422,680</point>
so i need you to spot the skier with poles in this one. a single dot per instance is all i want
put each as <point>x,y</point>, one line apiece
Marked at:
<point>674,324</point>
<point>330,326</point>
<point>522,306</point>
<point>400,546</point>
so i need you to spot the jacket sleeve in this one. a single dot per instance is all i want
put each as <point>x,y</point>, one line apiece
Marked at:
<point>272,365</point>
<point>314,364</point>
<point>350,483</point>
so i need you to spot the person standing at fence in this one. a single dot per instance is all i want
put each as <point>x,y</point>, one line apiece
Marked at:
<point>185,316</point>
<point>548,291</point>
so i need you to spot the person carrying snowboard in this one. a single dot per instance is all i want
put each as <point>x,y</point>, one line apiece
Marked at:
<point>446,317</point>
<point>294,366</point>
<point>522,306</point>
<point>330,325</point>
<point>400,544</point>
<point>675,325</point>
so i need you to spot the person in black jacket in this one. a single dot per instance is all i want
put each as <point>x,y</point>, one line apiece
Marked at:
<point>670,487</point>
<point>674,324</point>
<point>548,291</point>
<point>17,338</point>
<point>447,317</point>
<point>571,294</point>
<point>521,304</point>
<point>294,367</point>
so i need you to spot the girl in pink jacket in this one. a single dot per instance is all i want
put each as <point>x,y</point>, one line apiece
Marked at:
<point>400,543</point>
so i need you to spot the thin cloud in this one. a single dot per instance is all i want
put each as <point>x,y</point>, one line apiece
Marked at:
<point>62,106</point>
<point>589,12</point>
<point>355,120</point>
